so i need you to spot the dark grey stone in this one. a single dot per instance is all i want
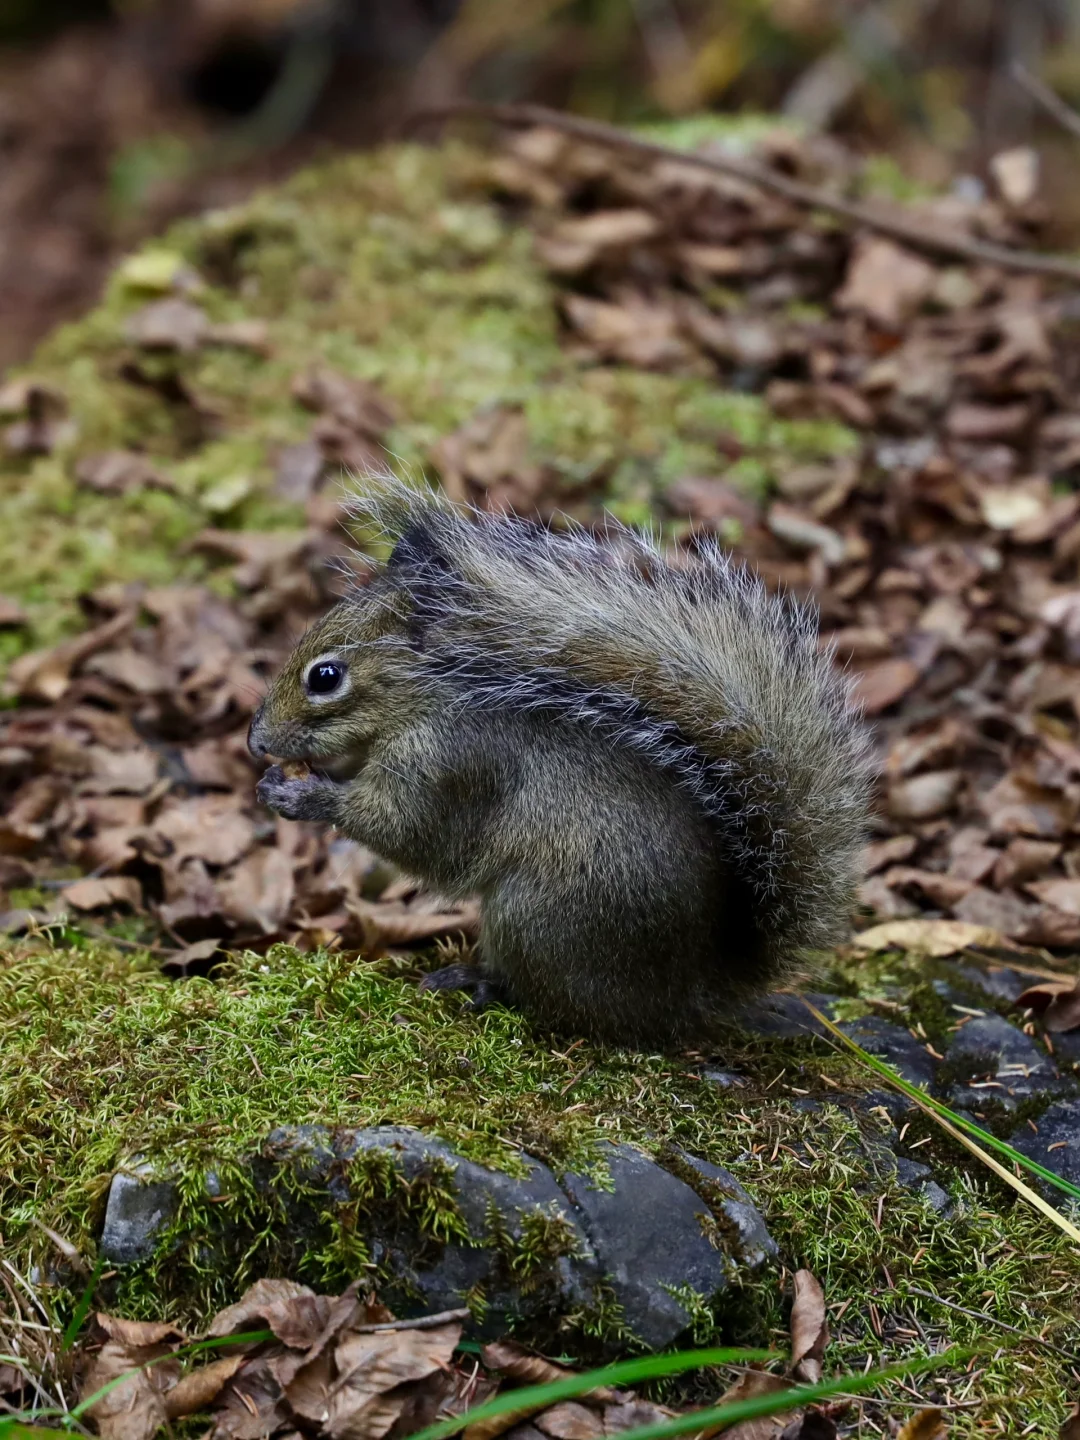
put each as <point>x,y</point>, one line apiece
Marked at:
<point>783,1017</point>
<point>806,1105</point>
<point>723,1079</point>
<point>1067,1047</point>
<point>911,1172</point>
<point>914,1175</point>
<point>651,1238</point>
<point>896,1105</point>
<point>892,1043</point>
<point>1000,982</point>
<point>140,1205</point>
<point>752,1245</point>
<point>1008,1066</point>
<point>1057,1144</point>
<point>480,1195</point>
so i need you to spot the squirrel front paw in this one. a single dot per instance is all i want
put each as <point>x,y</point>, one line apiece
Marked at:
<point>304,797</point>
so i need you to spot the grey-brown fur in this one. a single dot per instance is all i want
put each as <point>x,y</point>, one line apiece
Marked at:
<point>650,775</point>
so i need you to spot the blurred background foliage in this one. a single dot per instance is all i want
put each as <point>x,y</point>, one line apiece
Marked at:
<point>116,115</point>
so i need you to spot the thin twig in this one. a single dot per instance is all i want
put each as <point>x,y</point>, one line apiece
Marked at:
<point>1050,101</point>
<point>423,1322</point>
<point>1070,1355</point>
<point>96,932</point>
<point>69,1251</point>
<point>913,233</point>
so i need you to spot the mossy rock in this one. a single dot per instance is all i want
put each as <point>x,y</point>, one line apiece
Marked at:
<point>632,1253</point>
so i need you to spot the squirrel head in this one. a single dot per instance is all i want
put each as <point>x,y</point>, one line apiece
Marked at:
<point>347,681</point>
<point>337,690</point>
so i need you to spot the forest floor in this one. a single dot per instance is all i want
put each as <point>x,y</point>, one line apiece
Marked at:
<point>550,326</point>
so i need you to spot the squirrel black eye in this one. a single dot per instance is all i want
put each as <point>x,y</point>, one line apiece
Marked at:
<point>324,677</point>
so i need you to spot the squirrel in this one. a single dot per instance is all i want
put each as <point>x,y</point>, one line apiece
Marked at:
<point>649,772</point>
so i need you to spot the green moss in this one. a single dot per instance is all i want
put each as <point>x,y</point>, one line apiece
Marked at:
<point>102,1058</point>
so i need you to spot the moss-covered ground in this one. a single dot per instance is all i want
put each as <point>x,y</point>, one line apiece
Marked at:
<point>102,1058</point>
<point>396,268</point>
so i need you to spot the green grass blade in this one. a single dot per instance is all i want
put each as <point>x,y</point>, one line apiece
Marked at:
<point>625,1372</point>
<point>781,1401</point>
<point>535,1397</point>
<point>82,1309</point>
<point>961,1122</point>
<point>12,1429</point>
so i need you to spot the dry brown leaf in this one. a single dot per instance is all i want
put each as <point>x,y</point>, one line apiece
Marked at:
<point>392,923</point>
<point>137,1333</point>
<point>1003,912</point>
<point>1071,1428</point>
<point>100,893</point>
<point>570,1420</point>
<point>171,324</point>
<point>750,1385</point>
<point>292,1311</point>
<point>712,502</point>
<point>247,334</point>
<point>1022,860</point>
<point>306,1382</point>
<point>636,332</point>
<point>517,1363</point>
<point>46,674</point>
<point>119,772</point>
<point>575,244</point>
<point>881,853</point>
<point>496,1425</point>
<point>136,672</point>
<point>1062,894</point>
<point>882,685</point>
<point>809,1328</point>
<point>252,1405</point>
<point>941,890</point>
<point>258,555</point>
<point>923,1425</point>
<point>45,423</point>
<point>632,1414</point>
<point>134,1409</point>
<point>1057,1002</point>
<point>353,401</point>
<point>12,614</point>
<point>119,472</point>
<point>197,1390</point>
<point>987,423</point>
<point>885,282</point>
<point>937,938</point>
<point>210,828</point>
<point>258,893</point>
<point>191,954</point>
<point>370,1366</point>
<point>923,797</point>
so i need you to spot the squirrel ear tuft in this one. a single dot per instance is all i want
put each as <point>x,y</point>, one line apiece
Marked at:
<point>422,569</point>
<point>416,552</point>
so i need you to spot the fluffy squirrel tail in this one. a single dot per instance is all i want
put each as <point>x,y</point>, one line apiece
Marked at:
<point>694,665</point>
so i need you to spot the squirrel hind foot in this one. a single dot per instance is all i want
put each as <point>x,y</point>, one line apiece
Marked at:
<point>484,991</point>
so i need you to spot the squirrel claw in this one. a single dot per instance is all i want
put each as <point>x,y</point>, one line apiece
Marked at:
<point>485,991</point>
